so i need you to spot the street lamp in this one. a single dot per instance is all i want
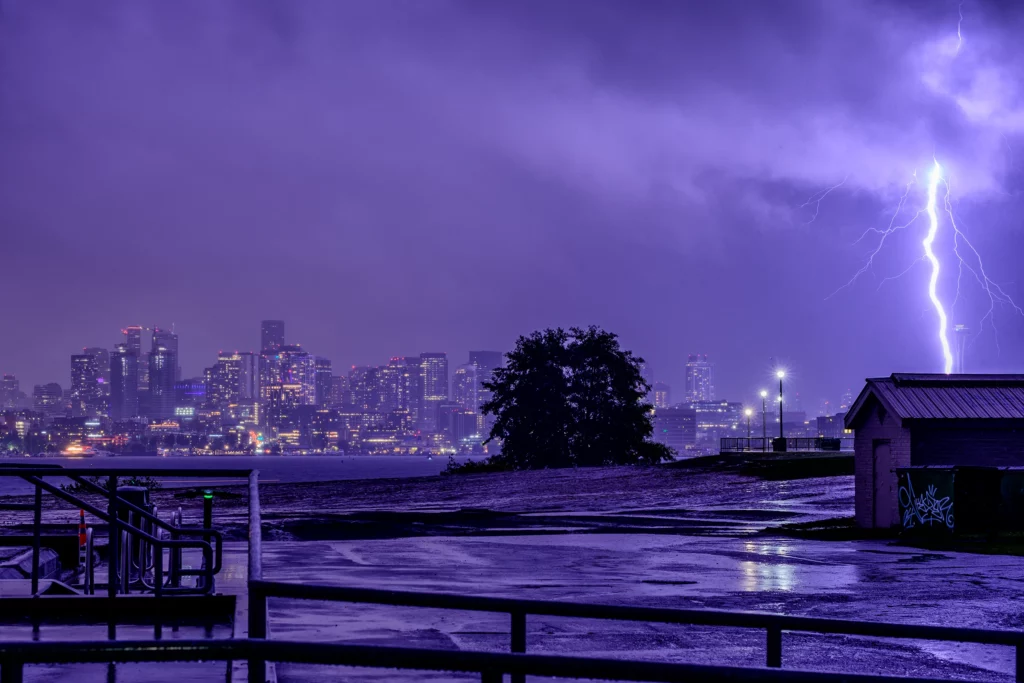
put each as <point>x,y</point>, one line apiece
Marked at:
<point>764,419</point>
<point>748,412</point>
<point>780,374</point>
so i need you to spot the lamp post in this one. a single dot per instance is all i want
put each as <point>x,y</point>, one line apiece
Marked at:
<point>748,412</point>
<point>764,419</point>
<point>780,374</point>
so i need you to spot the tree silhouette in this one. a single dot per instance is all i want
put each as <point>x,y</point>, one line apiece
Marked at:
<point>571,399</point>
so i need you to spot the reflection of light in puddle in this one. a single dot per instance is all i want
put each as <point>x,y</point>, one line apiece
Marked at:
<point>767,577</point>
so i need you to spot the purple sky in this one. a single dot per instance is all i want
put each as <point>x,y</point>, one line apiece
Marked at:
<point>401,176</point>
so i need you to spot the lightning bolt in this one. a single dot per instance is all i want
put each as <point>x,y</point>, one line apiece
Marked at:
<point>817,197</point>
<point>934,178</point>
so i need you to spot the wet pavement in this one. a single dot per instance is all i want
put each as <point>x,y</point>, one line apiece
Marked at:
<point>624,536</point>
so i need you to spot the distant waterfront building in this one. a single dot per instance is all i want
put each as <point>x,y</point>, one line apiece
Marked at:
<point>465,387</point>
<point>486,363</point>
<point>675,428</point>
<point>700,380</point>
<point>360,384</point>
<point>163,368</point>
<point>10,392</point>
<point>717,419</point>
<point>166,339</point>
<point>124,383</point>
<point>322,381</point>
<point>133,341</point>
<point>389,386</point>
<point>86,389</point>
<point>412,399</point>
<point>434,377</point>
<point>48,399</point>
<point>271,335</point>
<point>102,356</point>
<point>339,389</point>
<point>662,395</point>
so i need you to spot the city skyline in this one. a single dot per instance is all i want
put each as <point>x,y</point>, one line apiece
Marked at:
<point>682,386</point>
<point>510,193</point>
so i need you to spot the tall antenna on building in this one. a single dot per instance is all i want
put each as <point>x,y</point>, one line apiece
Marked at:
<point>961,333</point>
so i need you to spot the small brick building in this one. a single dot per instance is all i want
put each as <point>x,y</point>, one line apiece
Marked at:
<point>910,420</point>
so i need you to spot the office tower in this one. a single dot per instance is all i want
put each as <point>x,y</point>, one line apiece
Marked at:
<point>133,342</point>
<point>163,366</point>
<point>675,428</point>
<point>323,376</point>
<point>167,339</point>
<point>389,386</point>
<point>48,399</point>
<point>700,380</point>
<point>662,395</point>
<point>271,335</point>
<point>190,393</point>
<point>486,363</point>
<point>412,395</point>
<point>298,367</point>
<point>465,387</point>
<point>124,383</point>
<point>86,390</point>
<point>102,362</point>
<point>360,379</point>
<point>434,379</point>
<point>339,389</point>
<point>133,339</point>
<point>247,376</point>
<point>10,388</point>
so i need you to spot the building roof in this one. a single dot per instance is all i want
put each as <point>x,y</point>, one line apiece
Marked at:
<point>944,397</point>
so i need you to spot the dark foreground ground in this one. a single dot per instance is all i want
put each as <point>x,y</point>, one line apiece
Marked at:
<point>648,536</point>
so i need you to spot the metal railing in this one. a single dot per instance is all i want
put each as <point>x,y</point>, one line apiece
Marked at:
<point>733,444</point>
<point>490,666</point>
<point>129,523</point>
<point>518,610</point>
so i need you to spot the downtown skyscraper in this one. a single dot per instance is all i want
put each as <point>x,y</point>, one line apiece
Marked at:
<point>700,378</point>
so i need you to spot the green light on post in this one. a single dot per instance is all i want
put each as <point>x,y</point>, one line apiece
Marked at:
<point>207,494</point>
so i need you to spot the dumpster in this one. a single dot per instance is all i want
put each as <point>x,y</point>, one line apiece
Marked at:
<point>948,500</point>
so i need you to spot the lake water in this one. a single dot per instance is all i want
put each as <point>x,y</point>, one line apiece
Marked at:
<point>273,468</point>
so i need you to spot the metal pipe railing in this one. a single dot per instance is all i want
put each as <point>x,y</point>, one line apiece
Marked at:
<point>490,666</point>
<point>772,624</point>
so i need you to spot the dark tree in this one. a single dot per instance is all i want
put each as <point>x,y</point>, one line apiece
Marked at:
<point>571,399</point>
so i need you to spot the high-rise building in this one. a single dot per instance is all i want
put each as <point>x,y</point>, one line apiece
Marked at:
<point>412,380</point>
<point>48,399</point>
<point>360,385</point>
<point>248,376</point>
<point>662,395</point>
<point>133,341</point>
<point>163,366</point>
<point>389,386</point>
<point>700,378</point>
<point>124,383</point>
<point>434,378</point>
<point>339,389</point>
<point>167,339</point>
<point>271,335</point>
<point>102,362</point>
<point>675,428</point>
<point>10,392</point>
<point>486,363</point>
<point>465,387</point>
<point>322,380</point>
<point>86,389</point>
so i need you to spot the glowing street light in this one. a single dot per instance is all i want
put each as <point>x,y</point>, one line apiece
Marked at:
<point>748,412</point>
<point>764,419</point>
<point>780,374</point>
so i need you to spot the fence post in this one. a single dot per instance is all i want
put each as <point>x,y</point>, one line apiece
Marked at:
<point>257,629</point>
<point>37,530</point>
<point>518,640</point>
<point>1020,662</point>
<point>492,676</point>
<point>774,647</point>
<point>113,538</point>
<point>10,671</point>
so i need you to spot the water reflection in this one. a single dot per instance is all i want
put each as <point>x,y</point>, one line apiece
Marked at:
<point>770,574</point>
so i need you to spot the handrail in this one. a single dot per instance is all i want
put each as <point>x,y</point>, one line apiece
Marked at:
<point>490,665</point>
<point>209,541</point>
<point>774,624</point>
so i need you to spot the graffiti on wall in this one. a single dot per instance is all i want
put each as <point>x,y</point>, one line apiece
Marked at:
<point>927,509</point>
